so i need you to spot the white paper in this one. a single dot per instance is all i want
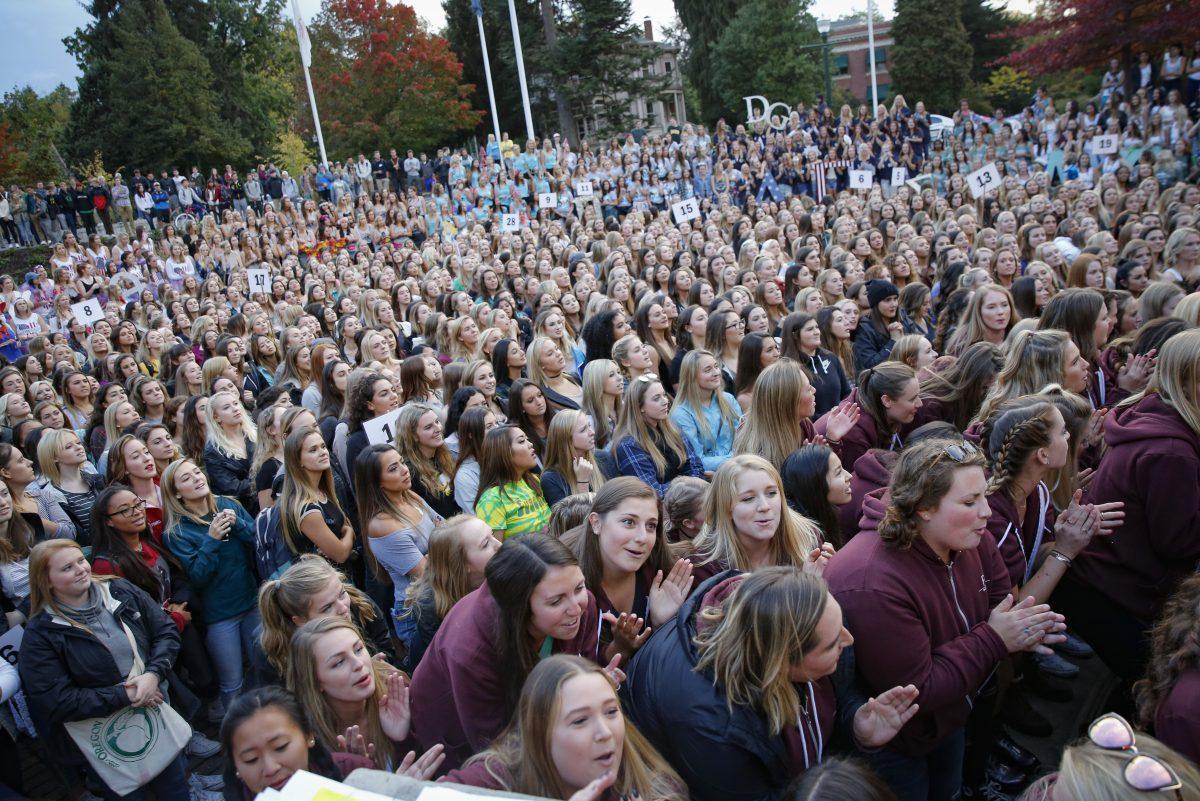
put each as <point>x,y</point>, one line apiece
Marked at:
<point>583,188</point>
<point>1104,144</point>
<point>686,210</point>
<point>10,644</point>
<point>381,430</point>
<point>899,176</point>
<point>985,179</point>
<point>89,312</point>
<point>547,200</point>
<point>861,179</point>
<point>260,281</point>
<point>304,786</point>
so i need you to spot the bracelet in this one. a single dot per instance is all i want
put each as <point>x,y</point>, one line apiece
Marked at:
<point>1062,557</point>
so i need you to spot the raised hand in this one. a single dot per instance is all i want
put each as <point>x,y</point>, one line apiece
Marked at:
<point>1136,373</point>
<point>629,632</point>
<point>841,419</point>
<point>425,767</point>
<point>818,559</point>
<point>667,595</point>
<point>395,715</point>
<point>353,742</point>
<point>614,673</point>
<point>595,788</point>
<point>881,718</point>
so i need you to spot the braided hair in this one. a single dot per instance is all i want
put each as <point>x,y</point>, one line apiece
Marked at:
<point>1014,434</point>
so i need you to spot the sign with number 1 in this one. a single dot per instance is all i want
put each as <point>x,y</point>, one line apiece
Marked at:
<point>381,430</point>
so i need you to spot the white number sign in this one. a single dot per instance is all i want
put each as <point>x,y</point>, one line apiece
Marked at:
<point>10,645</point>
<point>641,205</point>
<point>985,179</point>
<point>381,430</point>
<point>861,179</point>
<point>686,210</point>
<point>899,176</point>
<point>583,189</point>
<point>1104,144</point>
<point>260,281</point>
<point>88,312</point>
<point>547,200</point>
<point>510,223</point>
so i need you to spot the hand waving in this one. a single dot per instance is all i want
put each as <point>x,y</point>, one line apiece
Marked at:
<point>629,632</point>
<point>425,767</point>
<point>395,715</point>
<point>667,595</point>
<point>353,742</point>
<point>881,718</point>
<point>841,419</point>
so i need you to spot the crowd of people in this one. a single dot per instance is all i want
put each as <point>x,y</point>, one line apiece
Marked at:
<point>804,497</point>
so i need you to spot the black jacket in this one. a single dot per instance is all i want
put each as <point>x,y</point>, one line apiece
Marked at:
<point>67,674</point>
<point>230,475</point>
<point>872,344</point>
<point>828,379</point>
<point>721,755</point>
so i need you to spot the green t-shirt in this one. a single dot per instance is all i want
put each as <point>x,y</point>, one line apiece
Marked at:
<point>515,509</point>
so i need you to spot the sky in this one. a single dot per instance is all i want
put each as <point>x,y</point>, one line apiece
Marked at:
<point>31,33</point>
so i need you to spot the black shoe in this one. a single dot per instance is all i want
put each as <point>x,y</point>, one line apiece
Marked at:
<point>1043,686</point>
<point>1008,750</point>
<point>1003,773</point>
<point>1018,714</point>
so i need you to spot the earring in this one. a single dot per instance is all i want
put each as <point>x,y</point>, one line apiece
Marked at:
<point>312,742</point>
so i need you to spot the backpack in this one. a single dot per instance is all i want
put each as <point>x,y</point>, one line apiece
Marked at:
<point>272,556</point>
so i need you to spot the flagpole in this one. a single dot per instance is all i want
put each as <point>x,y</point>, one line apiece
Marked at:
<point>871,55</point>
<point>512,15</point>
<point>477,7</point>
<point>305,61</point>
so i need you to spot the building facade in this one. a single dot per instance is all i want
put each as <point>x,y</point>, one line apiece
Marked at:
<point>654,114</point>
<point>849,60</point>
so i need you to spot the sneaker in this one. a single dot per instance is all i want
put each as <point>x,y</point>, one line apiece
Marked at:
<point>200,782</point>
<point>1074,647</point>
<point>1055,665</point>
<point>202,747</point>
<point>216,713</point>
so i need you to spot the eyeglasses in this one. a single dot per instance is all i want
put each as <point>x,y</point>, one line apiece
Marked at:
<point>960,453</point>
<point>129,511</point>
<point>1142,772</point>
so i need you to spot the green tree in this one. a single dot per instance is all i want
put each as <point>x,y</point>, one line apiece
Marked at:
<point>36,125</point>
<point>931,59</point>
<point>146,105</point>
<point>705,21</point>
<point>1009,89</point>
<point>768,49</point>
<point>986,25</point>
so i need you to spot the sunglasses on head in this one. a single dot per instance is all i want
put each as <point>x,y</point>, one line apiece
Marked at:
<point>1142,772</point>
<point>960,453</point>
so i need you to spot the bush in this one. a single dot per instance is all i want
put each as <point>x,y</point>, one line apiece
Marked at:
<point>18,261</point>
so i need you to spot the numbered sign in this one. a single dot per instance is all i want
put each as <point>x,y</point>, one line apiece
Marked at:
<point>381,430</point>
<point>861,179</point>
<point>260,281</point>
<point>899,176</point>
<point>1104,144</point>
<point>10,645</point>
<point>985,179</point>
<point>686,210</point>
<point>641,205</point>
<point>583,189</point>
<point>88,312</point>
<point>547,200</point>
<point>510,223</point>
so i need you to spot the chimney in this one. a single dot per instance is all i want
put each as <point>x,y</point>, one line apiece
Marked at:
<point>648,27</point>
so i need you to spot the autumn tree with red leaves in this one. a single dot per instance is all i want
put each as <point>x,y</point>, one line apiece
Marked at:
<point>382,81</point>
<point>1069,34</point>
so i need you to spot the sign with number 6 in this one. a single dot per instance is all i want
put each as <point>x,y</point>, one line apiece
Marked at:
<point>861,179</point>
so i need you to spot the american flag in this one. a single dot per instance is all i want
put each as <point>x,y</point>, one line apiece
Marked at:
<point>819,176</point>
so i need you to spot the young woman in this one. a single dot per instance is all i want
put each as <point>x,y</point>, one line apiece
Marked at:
<point>1118,585</point>
<point>1084,315</point>
<point>723,337</point>
<point>547,367</point>
<point>816,484</point>
<point>370,396</point>
<point>1033,361</point>
<point>836,332</point>
<point>459,550</point>
<point>396,525</point>
<point>93,647</point>
<point>213,537</point>
<point>887,404</point>
<point>46,517</point>
<point>149,397</point>
<point>956,393</point>
<point>420,442</point>
<point>744,716</point>
<point>1165,698</point>
<point>268,454</point>
<point>705,414</point>
<point>568,713</point>
<point>755,354</point>
<point>603,387</point>
<point>881,326</point>
<point>473,425</point>
<point>780,416</point>
<point>510,495</point>
<point>62,459</point>
<point>229,449</point>
<point>529,411</point>
<point>646,443</point>
<point>917,352</point>
<point>534,598</point>
<point>131,463</point>
<point>78,397</point>
<point>158,440</point>
<point>16,541</point>
<point>902,583</point>
<point>508,364</point>
<point>479,374</point>
<point>989,317</point>
<point>309,589</point>
<point>569,465</point>
<point>332,384</point>
<point>801,337</point>
<point>310,516</point>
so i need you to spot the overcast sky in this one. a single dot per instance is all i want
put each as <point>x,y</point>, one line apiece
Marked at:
<point>31,49</point>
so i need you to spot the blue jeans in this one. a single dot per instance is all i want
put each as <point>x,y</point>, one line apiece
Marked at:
<point>229,642</point>
<point>937,776</point>
<point>170,785</point>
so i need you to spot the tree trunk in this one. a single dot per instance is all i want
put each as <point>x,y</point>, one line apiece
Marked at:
<point>566,120</point>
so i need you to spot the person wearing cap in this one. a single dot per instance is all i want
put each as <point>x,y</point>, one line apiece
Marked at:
<point>881,326</point>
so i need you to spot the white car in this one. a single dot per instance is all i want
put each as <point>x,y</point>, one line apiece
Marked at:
<point>940,127</point>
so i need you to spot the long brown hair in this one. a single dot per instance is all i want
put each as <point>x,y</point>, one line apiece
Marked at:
<point>1174,649</point>
<point>585,541</point>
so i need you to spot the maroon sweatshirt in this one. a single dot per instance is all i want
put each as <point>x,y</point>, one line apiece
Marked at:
<point>1153,465</point>
<point>917,620</point>
<point>871,472</point>
<point>1177,719</point>
<point>457,694</point>
<point>1017,538</point>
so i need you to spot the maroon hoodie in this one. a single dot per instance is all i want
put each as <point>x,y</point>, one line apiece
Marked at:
<point>1017,538</point>
<point>1153,465</point>
<point>871,472</point>
<point>917,620</point>
<point>457,694</point>
<point>861,438</point>
<point>1177,719</point>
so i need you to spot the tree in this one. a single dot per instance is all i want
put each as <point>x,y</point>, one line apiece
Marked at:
<point>770,48</point>
<point>1067,34</point>
<point>705,21</point>
<point>382,80</point>
<point>146,105</point>
<point>931,58</point>
<point>986,25</point>
<point>1008,89</point>
<point>36,126</point>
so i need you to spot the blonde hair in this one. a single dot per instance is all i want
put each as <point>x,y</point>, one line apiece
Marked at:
<point>52,442</point>
<point>217,435</point>
<point>631,422</point>
<point>595,374</point>
<point>749,644</point>
<point>174,510</point>
<point>1034,360</point>
<point>1176,378</point>
<point>1188,310</point>
<point>920,480</point>
<point>211,370</point>
<point>1097,774</point>
<point>718,542</point>
<point>560,454</point>
<point>690,394</point>
<point>41,594</point>
<point>772,428</point>
<point>300,490</point>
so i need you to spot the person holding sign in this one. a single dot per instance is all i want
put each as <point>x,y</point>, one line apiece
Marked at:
<point>368,397</point>
<point>310,515</point>
<point>396,524</point>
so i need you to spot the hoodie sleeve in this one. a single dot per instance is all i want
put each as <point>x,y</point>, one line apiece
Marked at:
<point>1170,485</point>
<point>893,648</point>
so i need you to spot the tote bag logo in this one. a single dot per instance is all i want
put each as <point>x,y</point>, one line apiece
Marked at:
<point>127,736</point>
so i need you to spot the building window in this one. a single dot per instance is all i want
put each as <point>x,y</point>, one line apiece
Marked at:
<point>667,67</point>
<point>841,64</point>
<point>880,55</point>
